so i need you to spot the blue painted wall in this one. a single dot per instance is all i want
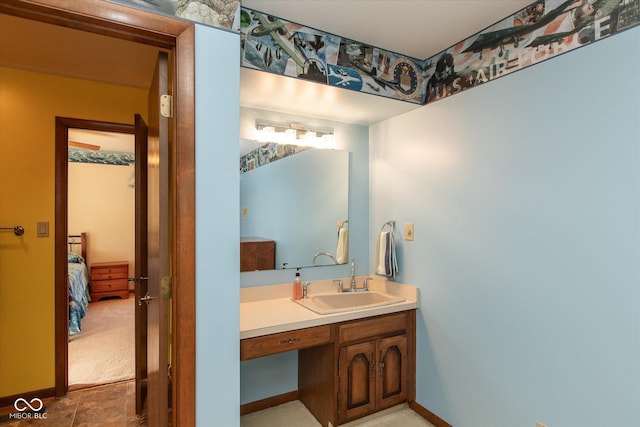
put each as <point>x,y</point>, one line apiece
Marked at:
<point>217,198</point>
<point>525,194</point>
<point>297,201</point>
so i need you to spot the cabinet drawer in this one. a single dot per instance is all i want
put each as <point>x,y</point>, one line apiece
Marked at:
<point>369,328</point>
<point>101,273</point>
<point>284,341</point>
<point>108,285</point>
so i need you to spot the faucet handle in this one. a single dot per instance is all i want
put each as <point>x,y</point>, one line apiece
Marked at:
<point>365,285</point>
<point>305,288</point>
<point>339,282</point>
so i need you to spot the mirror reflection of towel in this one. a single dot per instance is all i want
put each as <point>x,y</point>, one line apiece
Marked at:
<point>386,262</point>
<point>342,251</point>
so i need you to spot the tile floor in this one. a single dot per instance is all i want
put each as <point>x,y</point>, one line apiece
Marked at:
<point>113,405</point>
<point>110,405</point>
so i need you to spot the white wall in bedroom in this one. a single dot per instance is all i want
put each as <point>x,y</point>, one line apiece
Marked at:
<point>102,203</point>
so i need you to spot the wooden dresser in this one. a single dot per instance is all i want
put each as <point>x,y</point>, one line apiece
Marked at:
<point>109,279</point>
<point>257,253</point>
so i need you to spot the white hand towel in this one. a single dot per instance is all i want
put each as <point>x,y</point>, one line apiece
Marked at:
<point>386,261</point>
<point>342,251</point>
<point>381,249</point>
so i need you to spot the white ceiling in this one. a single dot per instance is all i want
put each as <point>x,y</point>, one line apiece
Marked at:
<point>417,28</point>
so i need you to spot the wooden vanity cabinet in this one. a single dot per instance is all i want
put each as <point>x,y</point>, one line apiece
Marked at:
<point>369,367</point>
<point>373,376</point>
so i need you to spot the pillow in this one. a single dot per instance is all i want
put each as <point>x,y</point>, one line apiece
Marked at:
<point>75,258</point>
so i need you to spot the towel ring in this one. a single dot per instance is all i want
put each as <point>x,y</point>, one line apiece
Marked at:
<point>391,224</point>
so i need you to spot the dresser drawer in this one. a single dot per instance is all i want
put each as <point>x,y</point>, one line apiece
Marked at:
<point>284,341</point>
<point>109,272</point>
<point>368,328</point>
<point>108,285</point>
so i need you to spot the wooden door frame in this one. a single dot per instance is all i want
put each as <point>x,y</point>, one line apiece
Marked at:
<point>127,23</point>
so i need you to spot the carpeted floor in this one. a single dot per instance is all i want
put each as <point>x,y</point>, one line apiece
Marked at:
<point>103,352</point>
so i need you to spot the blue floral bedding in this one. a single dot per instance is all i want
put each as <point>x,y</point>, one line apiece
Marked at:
<point>78,292</point>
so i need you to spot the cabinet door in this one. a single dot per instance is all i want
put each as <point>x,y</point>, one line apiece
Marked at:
<point>391,381</point>
<point>357,380</point>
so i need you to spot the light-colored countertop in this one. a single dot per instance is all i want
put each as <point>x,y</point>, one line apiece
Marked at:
<point>269,309</point>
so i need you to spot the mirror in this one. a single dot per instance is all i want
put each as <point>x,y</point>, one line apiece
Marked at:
<point>290,209</point>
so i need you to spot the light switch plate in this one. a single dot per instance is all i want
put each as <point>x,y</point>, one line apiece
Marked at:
<point>43,229</point>
<point>408,231</point>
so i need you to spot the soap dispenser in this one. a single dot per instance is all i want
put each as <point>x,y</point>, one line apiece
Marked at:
<point>297,286</point>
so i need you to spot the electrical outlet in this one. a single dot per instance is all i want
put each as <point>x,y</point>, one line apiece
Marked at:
<point>539,424</point>
<point>245,211</point>
<point>408,231</point>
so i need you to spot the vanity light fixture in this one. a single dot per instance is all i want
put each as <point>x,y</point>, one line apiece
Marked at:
<point>294,134</point>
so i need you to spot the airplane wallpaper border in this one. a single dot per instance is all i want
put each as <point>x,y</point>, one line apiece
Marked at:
<point>540,31</point>
<point>278,46</point>
<point>220,13</point>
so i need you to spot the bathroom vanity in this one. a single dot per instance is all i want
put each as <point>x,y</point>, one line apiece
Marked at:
<point>350,363</point>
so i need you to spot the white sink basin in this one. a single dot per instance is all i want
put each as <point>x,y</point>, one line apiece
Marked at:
<point>347,301</point>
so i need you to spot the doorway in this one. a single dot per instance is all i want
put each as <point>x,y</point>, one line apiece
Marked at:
<point>102,204</point>
<point>125,23</point>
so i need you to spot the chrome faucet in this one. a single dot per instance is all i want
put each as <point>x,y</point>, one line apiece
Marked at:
<point>305,290</point>
<point>319,254</point>
<point>353,287</point>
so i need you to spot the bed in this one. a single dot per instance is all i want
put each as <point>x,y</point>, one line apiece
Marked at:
<point>78,279</point>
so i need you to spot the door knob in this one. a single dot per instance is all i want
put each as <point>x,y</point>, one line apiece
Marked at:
<point>146,298</point>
